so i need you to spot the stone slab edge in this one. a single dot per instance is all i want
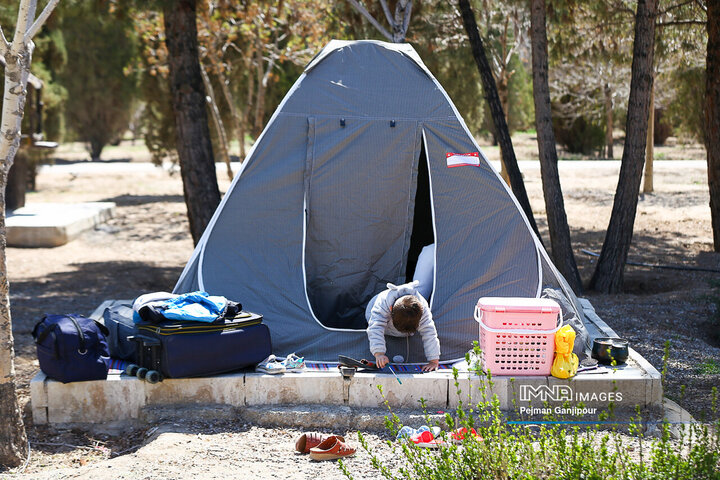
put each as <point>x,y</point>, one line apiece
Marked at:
<point>39,399</point>
<point>55,235</point>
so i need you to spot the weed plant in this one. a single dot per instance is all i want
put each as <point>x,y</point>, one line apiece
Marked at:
<point>547,449</point>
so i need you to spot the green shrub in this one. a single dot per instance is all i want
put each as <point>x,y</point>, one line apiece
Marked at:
<point>661,128</point>
<point>520,89</point>
<point>709,367</point>
<point>580,136</point>
<point>508,450</point>
<point>686,111</point>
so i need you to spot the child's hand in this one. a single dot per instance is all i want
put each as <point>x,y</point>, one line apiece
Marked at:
<point>381,360</point>
<point>432,365</point>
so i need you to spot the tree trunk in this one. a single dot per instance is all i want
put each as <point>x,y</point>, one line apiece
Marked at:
<point>260,97</point>
<point>712,116</point>
<point>504,96</point>
<point>608,122</point>
<point>403,8</point>
<point>491,96</point>
<point>17,181</point>
<point>650,145</point>
<point>18,57</point>
<point>562,252</point>
<point>96,148</point>
<point>608,275</point>
<point>13,442</point>
<point>234,114</point>
<point>197,166</point>
<point>217,119</point>
<point>263,79</point>
<point>247,108</point>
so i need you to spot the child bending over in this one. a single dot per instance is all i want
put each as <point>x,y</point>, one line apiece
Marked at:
<point>400,311</point>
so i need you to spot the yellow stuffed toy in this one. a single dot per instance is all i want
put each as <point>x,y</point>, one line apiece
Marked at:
<point>565,364</point>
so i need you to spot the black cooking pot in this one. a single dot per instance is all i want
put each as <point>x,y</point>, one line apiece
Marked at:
<point>607,349</point>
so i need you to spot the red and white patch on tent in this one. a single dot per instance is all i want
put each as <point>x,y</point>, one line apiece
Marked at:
<point>471,159</point>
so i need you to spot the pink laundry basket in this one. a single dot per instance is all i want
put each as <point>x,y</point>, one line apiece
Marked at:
<point>517,335</point>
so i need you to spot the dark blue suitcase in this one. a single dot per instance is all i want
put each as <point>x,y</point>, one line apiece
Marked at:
<point>192,349</point>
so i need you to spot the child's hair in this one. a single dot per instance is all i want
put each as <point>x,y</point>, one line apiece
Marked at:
<point>406,313</point>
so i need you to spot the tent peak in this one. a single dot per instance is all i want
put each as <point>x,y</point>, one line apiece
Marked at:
<point>335,45</point>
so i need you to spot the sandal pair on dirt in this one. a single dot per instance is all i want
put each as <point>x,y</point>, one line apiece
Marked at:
<point>320,447</point>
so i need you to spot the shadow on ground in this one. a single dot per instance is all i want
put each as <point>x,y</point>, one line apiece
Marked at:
<point>82,289</point>
<point>654,250</point>
<point>62,161</point>
<point>130,200</point>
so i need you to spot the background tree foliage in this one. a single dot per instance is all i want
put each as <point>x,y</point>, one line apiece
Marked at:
<point>252,51</point>
<point>49,59</point>
<point>591,51</point>
<point>101,47</point>
<point>104,63</point>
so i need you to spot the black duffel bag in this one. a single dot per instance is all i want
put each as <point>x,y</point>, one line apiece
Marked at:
<point>71,348</point>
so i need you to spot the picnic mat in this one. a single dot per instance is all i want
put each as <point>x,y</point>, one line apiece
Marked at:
<point>116,366</point>
<point>327,367</point>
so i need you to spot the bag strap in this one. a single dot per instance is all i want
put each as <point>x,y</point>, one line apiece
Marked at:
<point>82,348</point>
<point>39,339</point>
<point>43,335</point>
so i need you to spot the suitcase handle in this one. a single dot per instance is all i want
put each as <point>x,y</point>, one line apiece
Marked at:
<point>146,341</point>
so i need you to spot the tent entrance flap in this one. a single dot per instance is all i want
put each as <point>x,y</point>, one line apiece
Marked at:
<point>358,195</point>
<point>423,232</point>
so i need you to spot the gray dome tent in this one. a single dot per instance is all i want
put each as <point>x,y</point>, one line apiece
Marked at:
<point>365,161</point>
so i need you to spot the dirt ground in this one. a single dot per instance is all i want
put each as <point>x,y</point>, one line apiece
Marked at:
<point>145,246</point>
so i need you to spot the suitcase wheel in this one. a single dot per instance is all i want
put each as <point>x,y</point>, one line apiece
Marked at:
<point>153,376</point>
<point>141,372</point>
<point>131,369</point>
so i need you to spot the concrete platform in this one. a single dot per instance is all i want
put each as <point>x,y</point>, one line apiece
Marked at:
<point>125,398</point>
<point>54,224</point>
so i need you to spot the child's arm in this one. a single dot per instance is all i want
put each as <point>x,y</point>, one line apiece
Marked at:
<point>379,317</point>
<point>431,343</point>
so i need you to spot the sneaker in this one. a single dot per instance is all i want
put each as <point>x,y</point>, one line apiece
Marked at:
<point>293,363</point>
<point>271,366</point>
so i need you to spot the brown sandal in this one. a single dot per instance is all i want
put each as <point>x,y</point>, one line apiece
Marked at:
<point>331,448</point>
<point>306,441</point>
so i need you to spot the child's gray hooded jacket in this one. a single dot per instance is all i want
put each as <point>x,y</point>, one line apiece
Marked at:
<point>380,323</point>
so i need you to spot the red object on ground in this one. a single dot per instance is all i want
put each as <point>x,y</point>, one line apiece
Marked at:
<point>331,448</point>
<point>426,440</point>
<point>306,441</point>
<point>460,434</point>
